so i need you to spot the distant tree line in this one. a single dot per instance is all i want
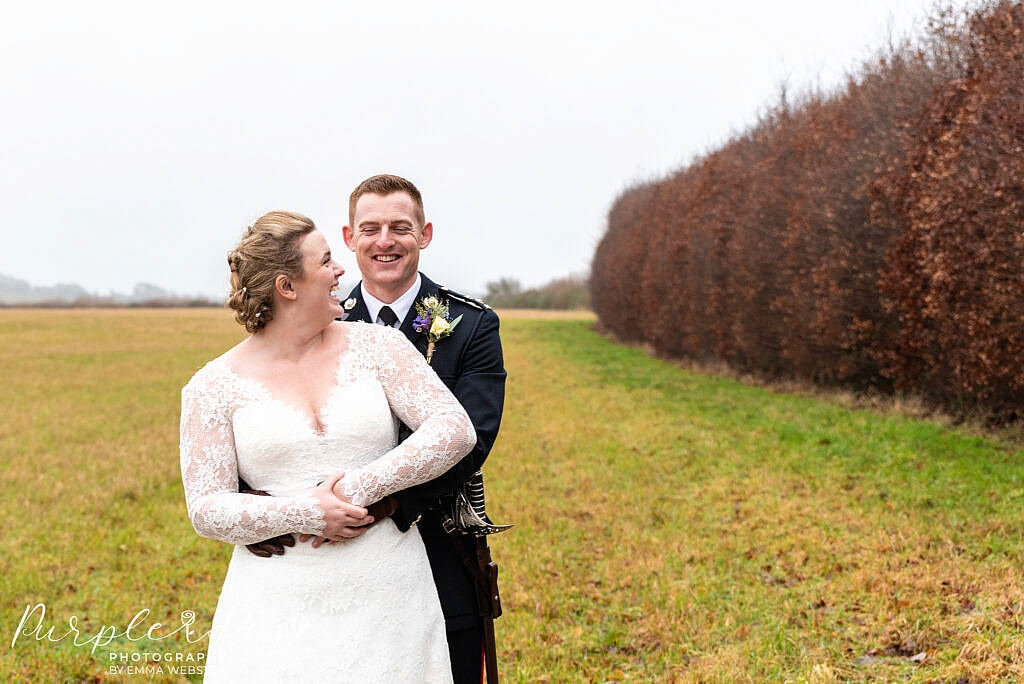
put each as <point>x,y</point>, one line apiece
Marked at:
<point>869,237</point>
<point>570,292</point>
<point>114,303</point>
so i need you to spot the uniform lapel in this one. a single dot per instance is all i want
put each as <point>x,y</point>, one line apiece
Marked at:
<point>419,340</point>
<point>357,312</point>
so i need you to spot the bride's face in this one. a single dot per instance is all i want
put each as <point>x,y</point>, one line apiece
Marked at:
<point>317,288</point>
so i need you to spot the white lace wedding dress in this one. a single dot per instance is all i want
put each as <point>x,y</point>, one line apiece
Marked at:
<point>363,610</point>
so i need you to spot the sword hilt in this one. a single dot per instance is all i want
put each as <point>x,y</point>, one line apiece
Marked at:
<point>473,518</point>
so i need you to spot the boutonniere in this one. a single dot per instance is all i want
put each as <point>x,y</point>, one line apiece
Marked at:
<point>432,319</point>
<point>347,306</point>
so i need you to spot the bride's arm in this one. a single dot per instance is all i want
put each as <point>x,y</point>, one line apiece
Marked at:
<point>442,435</point>
<point>209,472</point>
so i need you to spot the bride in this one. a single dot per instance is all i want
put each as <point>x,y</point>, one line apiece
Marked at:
<point>306,400</point>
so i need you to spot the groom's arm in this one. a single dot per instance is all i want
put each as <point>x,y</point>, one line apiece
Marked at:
<point>480,388</point>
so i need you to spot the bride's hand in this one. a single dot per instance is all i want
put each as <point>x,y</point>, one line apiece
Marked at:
<point>339,490</point>
<point>343,520</point>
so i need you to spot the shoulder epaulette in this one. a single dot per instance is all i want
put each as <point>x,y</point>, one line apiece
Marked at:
<point>464,299</point>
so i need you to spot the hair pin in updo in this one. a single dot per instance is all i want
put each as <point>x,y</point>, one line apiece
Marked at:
<point>244,290</point>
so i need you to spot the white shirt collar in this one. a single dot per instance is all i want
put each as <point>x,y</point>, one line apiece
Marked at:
<point>400,306</point>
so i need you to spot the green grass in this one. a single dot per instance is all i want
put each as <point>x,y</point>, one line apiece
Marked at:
<point>669,526</point>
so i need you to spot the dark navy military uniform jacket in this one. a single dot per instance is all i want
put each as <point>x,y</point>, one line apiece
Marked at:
<point>469,362</point>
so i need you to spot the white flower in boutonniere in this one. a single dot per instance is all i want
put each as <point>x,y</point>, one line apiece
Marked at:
<point>432,319</point>
<point>349,303</point>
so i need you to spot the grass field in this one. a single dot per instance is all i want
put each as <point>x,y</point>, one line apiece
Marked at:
<point>669,526</point>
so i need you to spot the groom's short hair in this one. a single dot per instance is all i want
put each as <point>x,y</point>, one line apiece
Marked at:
<point>384,184</point>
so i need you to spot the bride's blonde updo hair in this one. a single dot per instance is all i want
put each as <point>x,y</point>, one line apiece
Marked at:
<point>269,248</point>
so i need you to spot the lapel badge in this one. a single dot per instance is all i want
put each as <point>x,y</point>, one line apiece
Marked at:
<point>349,303</point>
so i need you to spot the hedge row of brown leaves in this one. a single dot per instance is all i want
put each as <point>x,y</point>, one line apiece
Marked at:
<point>870,237</point>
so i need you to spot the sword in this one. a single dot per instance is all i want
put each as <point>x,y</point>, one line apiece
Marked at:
<point>469,517</point>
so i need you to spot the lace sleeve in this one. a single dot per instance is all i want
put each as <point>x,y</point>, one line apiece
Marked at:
<point>442,435</point>
<point>209,471</point>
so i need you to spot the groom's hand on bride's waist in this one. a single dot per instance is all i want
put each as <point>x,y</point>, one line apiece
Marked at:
<point>384,508</point>
<point>272,547</point>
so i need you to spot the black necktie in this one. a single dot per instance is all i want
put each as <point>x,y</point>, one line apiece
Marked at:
<point>388,316</point>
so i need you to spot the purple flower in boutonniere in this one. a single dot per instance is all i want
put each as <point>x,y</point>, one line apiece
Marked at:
<point>432,319</point>
<point>421,324</point>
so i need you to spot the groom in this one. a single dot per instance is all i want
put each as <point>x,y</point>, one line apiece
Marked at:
<point>386,232</point>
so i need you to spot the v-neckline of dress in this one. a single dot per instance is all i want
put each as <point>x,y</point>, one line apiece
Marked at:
<point>318,416</point>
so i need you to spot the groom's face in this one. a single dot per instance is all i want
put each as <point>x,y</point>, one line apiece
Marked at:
<point>387,236</point>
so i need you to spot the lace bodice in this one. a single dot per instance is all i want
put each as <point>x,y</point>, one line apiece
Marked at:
<point>232,426</point>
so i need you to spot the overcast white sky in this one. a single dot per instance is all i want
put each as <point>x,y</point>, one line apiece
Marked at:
<point>139,141</point>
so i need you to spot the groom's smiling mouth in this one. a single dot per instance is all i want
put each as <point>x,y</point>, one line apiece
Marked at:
<point>385,258</point>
